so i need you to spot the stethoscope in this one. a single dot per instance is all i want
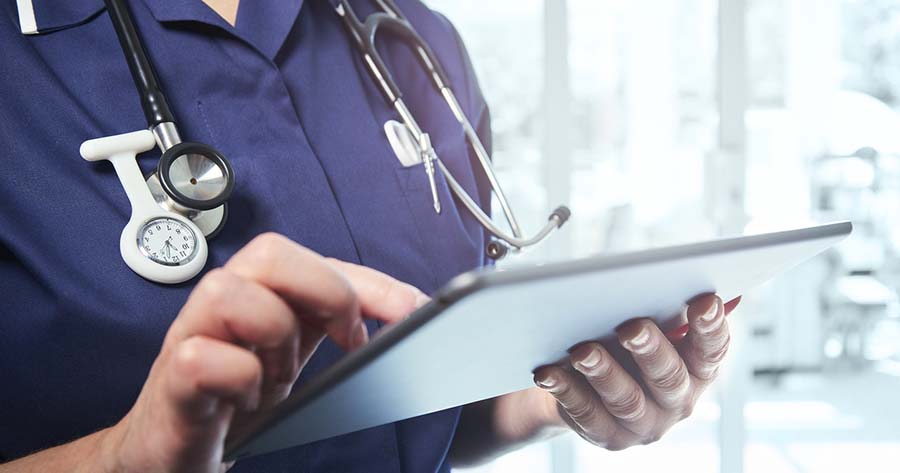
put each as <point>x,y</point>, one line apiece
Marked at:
<point>184,201</point>
<point>391,19</point>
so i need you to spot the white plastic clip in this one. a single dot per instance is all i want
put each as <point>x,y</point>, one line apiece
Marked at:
<point>121,151</point>
<point>27,22</point>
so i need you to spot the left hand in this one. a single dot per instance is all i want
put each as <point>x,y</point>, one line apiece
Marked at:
<point>598,398</point>
<point>607,406</point>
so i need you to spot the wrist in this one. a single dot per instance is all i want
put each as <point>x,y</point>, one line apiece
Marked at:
<point>104,451</point>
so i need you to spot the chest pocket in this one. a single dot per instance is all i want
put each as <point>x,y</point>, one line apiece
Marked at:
<point>454,231</point>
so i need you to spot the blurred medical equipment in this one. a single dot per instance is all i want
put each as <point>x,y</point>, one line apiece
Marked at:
<point>863,185</point>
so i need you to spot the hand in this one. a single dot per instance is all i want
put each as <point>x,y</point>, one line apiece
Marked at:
<point>239,344</point>
<point>608,407</point>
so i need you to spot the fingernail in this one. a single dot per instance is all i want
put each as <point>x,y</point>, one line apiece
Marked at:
<point>547,382</point>
<point>360,335</point>
<point>592,360</point>
<point>638,342</point>
<point>422,299</point>
<point>711,313</point>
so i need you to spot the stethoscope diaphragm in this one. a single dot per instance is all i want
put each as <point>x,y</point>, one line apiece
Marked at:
<point>196,176</point>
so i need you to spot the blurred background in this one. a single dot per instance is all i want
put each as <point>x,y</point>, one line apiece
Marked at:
<point>666,121</point>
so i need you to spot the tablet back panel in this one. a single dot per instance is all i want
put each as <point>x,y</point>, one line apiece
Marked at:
<point>484,334</point>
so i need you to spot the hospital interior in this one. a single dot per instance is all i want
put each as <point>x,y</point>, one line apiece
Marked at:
<point>669,121</point>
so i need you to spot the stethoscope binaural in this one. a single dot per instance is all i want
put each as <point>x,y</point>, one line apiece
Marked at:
<point>391,20</point>
<point>184,202</point>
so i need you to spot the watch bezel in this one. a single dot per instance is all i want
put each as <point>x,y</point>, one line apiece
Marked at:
<point>183,261</point>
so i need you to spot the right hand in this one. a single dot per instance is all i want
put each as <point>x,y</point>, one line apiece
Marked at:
<point>239,344</point>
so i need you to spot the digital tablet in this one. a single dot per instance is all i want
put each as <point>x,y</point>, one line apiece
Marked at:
<point>486,331</point>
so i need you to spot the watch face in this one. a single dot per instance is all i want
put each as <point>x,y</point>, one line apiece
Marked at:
<point>167,241</point>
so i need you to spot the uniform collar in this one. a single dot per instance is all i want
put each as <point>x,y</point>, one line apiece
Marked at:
<point>46,16</point>
<point>265,24</point>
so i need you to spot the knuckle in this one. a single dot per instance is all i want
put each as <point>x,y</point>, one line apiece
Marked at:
<point>216,290</point>
<point>383,288</point>
<point>215,285</point>
<point>349,300</point>
<point>674,379</point>
<point>266,249</point>
<point>584,411</point>
<point>707,362</point>
<point>598,432</point>
<point>632,405</point>
<point>706,374</point>
<point>617,445</point>
<point>652,437</point>
<point>285,325</point>
<point>686,411</point>
<point>188,358</point>
<point>717,354</point>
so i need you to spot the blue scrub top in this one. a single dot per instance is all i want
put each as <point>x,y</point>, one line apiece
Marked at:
<point>284,95</point>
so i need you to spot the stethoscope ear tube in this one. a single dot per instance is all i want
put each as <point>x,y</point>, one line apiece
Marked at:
<point>393,22</point>
<point>498,249</point>
<point>153,102</point>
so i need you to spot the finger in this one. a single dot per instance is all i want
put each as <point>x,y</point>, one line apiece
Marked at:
<point>580,404</point>
<point>707,341</point>
<point>317,292</point>
<point>205,371</point>
<point>677,335</point>
<point>664,372</point>
<point>230,308</point>
<point>381,296</point>
<point>620,393</point>
<point>281,367</point>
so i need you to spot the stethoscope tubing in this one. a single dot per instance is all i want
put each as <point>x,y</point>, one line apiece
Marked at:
<point>392,20</point>
<point>161,121</point>
<point>153,101</point>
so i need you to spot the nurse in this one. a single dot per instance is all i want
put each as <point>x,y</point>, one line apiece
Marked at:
<point>329,238</point>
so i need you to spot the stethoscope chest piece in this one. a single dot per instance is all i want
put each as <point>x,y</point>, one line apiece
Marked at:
<point>158,244</point>
<point>194,180</point>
